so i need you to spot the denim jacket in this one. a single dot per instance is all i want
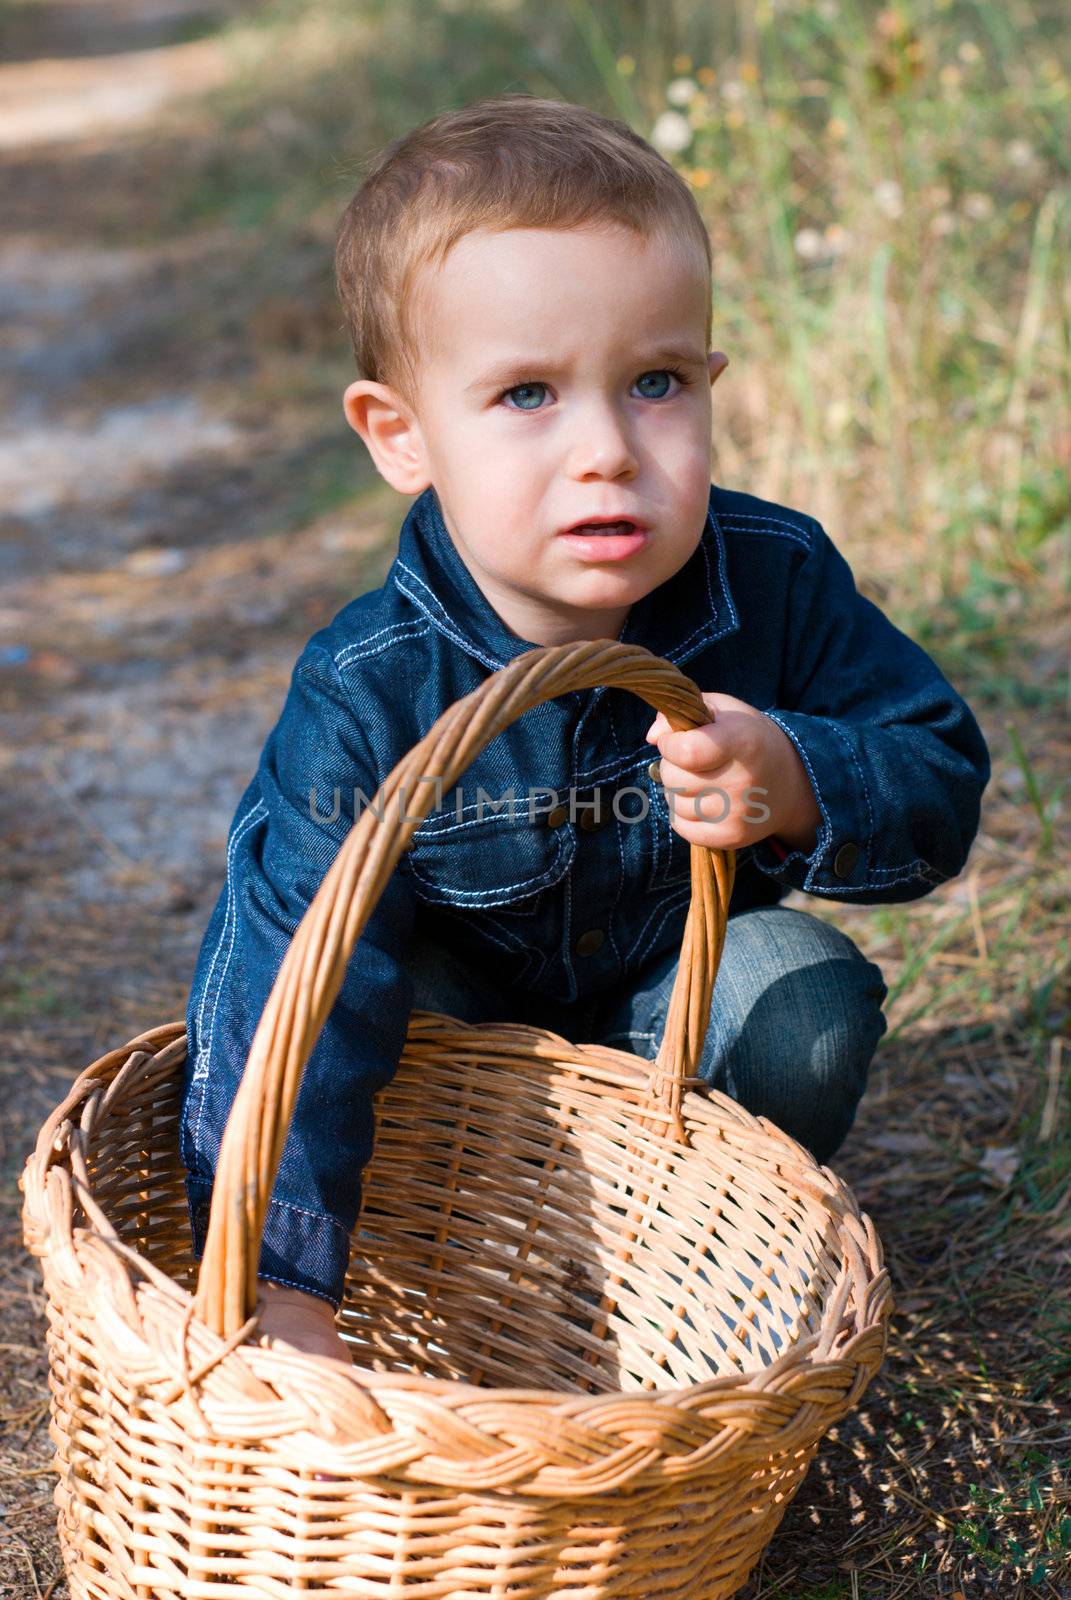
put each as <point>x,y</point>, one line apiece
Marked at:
<point>765,609</point>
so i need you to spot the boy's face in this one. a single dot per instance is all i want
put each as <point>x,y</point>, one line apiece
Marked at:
<point>545,398</point>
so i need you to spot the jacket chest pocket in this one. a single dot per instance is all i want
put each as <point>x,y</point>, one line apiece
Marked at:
<point>489,862</point>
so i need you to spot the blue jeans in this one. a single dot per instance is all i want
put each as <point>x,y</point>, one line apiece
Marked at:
<point>795,1017</point>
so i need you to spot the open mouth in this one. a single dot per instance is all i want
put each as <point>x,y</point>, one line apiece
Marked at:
<point>599,528</point>
<point>606,541</point>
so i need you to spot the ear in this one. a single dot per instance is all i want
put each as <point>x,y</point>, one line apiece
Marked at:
<point>717,362</point>
<point>391,432</point>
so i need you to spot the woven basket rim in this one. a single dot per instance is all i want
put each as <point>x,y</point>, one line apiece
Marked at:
<point>53,1150</point>
<point>794,1359</point>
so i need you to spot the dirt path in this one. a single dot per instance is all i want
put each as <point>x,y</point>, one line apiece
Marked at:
<point>154,592</point>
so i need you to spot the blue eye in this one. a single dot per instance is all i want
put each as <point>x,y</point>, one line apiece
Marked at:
<point>520,388</point>
<point>658,372</point>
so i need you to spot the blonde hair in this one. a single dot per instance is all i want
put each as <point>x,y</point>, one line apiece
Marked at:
<point>509,161</point>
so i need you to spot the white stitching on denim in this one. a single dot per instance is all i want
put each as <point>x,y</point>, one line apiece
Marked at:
<point>512,939</point>
<point>734,620</point>
<point>230,948</point>
<point>359,650</point>
<point>362,647</point>
<point>618,825</point>
<point>919,868</point>
<point>770,525</point>
<point>674,900</point>
<point>511,943</point>
<point>451,632</point>
<point>457,897</point>
<point>451,830</point>
<point>843,737</point>
<point>676,653</point>
<point>520,947</point>
<point>317,1216</point>
<point>247,822</point>
<point>540,881</point>
<point>504,943</point>
<point>827,833</point>
<point>632,762</point>
<point>841,890</point>
<point>894,874</point>
<point>654,877</point>
<point>663,837</point>
<point>660,876</point>
<point>291,1283</point>
<point>900,874</point>
<point>567,924</point>
<point>239,829</point>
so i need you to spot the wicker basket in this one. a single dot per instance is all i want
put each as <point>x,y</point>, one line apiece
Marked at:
<point>600,1316</point>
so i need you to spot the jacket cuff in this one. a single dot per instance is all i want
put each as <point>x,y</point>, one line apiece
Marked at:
<point>302,1249</point>
<point>843,851</point>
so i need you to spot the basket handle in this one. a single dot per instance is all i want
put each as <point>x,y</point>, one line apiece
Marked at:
<point>314,966</point>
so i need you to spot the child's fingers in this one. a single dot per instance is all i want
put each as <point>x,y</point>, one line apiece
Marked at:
<point>697,750</point>
<point>679,779</point>
<point>720,706</point>
<point>700,802</point>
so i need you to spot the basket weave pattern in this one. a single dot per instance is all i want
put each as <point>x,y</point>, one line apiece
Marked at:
<point>600,1316</point>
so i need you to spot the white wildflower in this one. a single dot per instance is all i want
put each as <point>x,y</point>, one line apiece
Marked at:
<point>671,132</point>
<point>889,198</point>
<point>682,91</point>
<point>733,90</point>
<point>978,206</point>
<point>809,244</point>
<point>1020,152</point>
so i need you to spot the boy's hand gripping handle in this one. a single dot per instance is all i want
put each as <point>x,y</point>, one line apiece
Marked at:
<point>313,968</point>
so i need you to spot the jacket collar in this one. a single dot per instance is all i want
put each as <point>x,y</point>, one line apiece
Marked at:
<point>683,615</point>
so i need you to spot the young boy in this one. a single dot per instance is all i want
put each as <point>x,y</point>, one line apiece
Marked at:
<point>527,288</point>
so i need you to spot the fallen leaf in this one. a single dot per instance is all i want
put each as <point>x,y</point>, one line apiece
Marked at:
<point>1001,1161</point>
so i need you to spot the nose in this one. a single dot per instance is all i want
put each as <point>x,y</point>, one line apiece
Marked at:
<point>601,446</point>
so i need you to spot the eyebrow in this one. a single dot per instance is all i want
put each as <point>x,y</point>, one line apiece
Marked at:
<point>521,366</point>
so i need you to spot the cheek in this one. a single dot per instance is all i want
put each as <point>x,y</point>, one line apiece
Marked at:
<point>488,483</point>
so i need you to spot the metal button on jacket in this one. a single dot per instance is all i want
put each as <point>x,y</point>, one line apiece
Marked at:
<point>593,811</point>
<point>589,942</point>
<point>556,817</point>
<point>845,859</point>
<point>654,771</point>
